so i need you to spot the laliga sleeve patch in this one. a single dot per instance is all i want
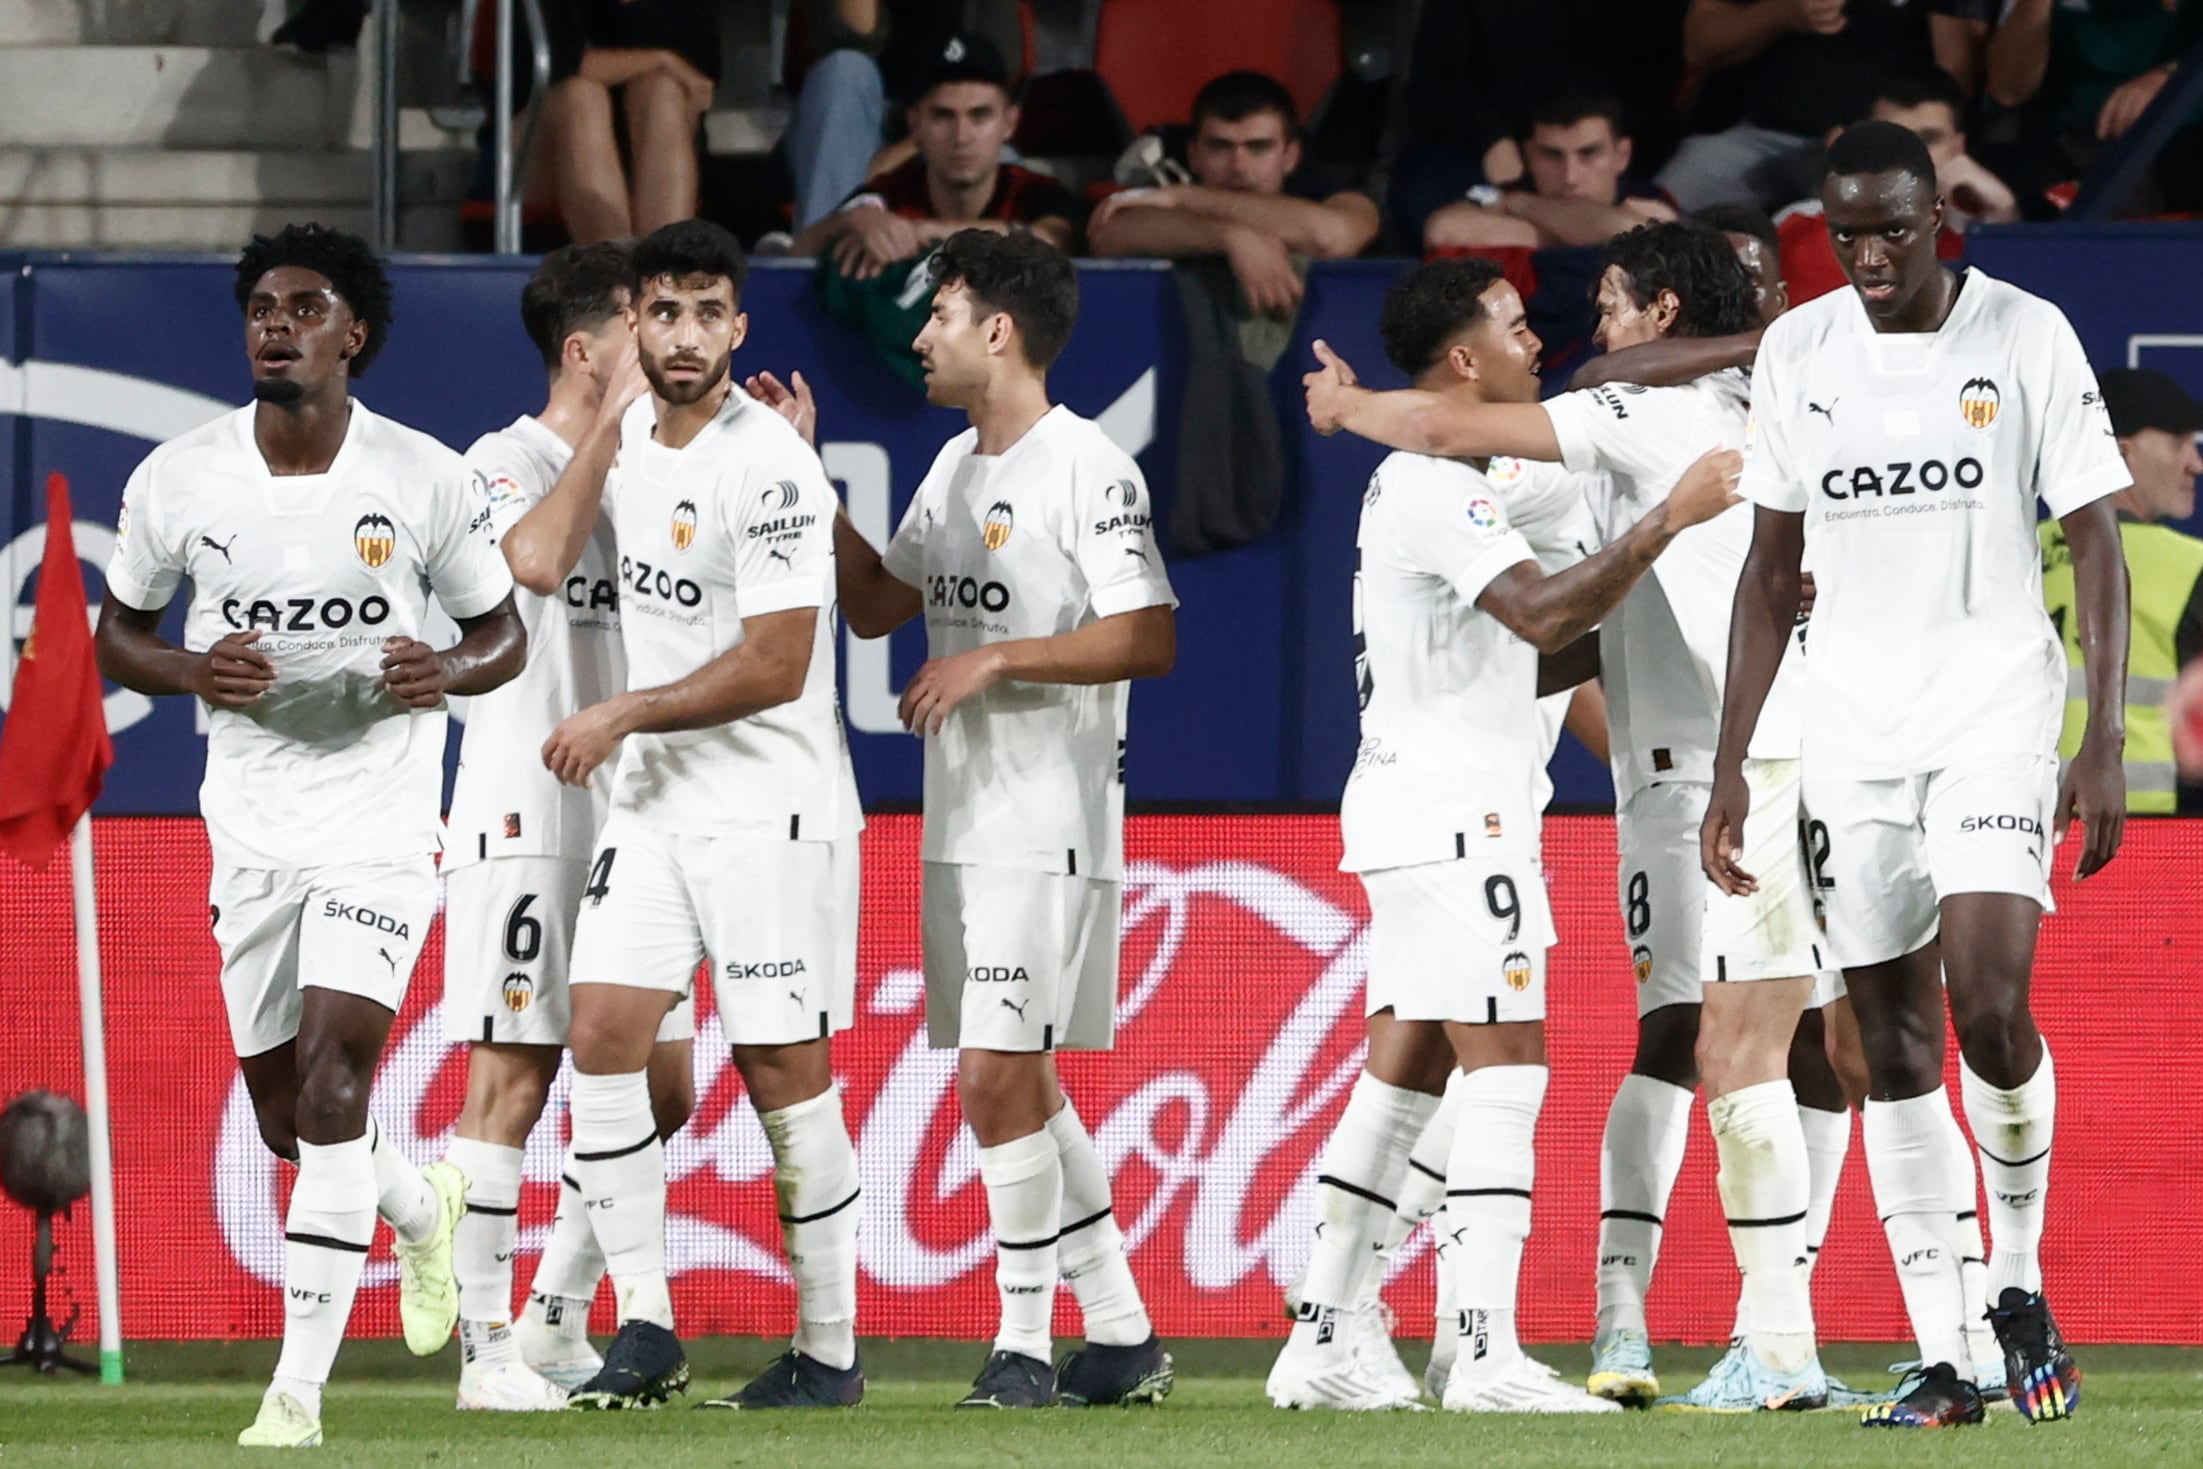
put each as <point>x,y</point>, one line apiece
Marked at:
<point>1486,515</point>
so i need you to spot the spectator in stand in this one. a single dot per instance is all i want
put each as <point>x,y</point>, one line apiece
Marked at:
<point>956,179</point>
<point>867,52</point>
<point>653,64</point>
<point>2080,74</point>
<point>2156,423</point>
<point>1249,202</point>
<point>1580,192</point>
<point>1794,69</point>
<point>1551,237</point>
<point>1931,105</point>
<point>1479,70</point>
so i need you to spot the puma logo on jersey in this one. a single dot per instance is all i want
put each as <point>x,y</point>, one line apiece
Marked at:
<point>776,554</point>
<point>1017,1006</point>
<point>387,959</point>
<point>1828,413</point>
<point>1135,551</point>
<point>223,546</point>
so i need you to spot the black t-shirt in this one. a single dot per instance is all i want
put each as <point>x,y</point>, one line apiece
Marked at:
<point>1807,84</point>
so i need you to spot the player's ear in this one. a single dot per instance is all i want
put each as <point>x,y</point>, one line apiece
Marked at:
<point>355,340</point>
<point>1666,307</point>
<point>740,331</point>
<point>1292,154</point>
<point>1000,328</point>
<point>1623,148</point>
<point>1462,361</point>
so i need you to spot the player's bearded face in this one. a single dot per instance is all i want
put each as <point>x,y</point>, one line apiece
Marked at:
<point>953,347</point>
<point>685,335</point>
<point>299,333</point>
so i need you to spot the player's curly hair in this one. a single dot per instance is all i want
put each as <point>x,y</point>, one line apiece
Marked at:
<point>1881,147</point>
<point>1694,261</point>
<point>1018,273</point>
<point>348,263</point>
<point>1430,305</point>
<point>691,247</point>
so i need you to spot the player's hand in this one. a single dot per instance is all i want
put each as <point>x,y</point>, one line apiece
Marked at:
<point>945,683</point>
<point>2094,792</point>
<point>1330,388</point>
<point>1706,489</point>
<point>233,674</point>
<point>584,741</point>
<point>1721,835</point>
<point>413,671</point>
<point>1807,593</point>
<point>623,381</point>
<point>1818,17</point>
<point>1264,270</point>
<point>792,400</point>
<point>2125,106</point>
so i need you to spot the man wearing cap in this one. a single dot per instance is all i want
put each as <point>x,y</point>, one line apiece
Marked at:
<point>2156,423</point>
<point>963,116</point>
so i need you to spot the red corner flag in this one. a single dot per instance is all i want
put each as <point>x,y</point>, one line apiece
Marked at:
<point>54,749</point>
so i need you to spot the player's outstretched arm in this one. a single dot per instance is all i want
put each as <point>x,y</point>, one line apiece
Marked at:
<point>1761,617</point>
<point>230,675</point>
<point>1668,362</point>
<point>766,669</point>
<point>2094,788</point>
<point>1137,644</point>
<point>1423,422</point>
<point>544,544</point>
<point>1551,612</point>
<point>874,601</point>
<point>491,651</point>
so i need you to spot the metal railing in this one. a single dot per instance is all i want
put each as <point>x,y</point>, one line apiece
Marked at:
<point>510,160</point>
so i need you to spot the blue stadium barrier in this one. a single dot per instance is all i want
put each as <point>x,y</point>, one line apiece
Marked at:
<point>101,356</point>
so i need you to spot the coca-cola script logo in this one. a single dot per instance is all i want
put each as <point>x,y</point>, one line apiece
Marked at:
<point>1208,1114</point>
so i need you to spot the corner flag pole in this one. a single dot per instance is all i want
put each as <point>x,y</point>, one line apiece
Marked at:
<point>86,895</point>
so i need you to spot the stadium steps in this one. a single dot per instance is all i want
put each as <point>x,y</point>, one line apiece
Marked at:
<point>166,124</point>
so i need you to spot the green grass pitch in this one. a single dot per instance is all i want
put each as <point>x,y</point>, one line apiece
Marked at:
<point>184,1405</point>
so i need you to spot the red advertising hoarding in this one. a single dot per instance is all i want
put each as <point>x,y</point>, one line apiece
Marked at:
<point>1240,1017</point>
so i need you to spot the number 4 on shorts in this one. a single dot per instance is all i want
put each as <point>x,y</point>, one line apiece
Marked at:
<point>600,876</point>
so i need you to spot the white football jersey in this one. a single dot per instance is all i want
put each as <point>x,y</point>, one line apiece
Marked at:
<point>1917,460</point>
<point>1664,653</point>
<point>327,767</point>
<point>1054,534</point>
<point>739,523</point>
<point>1551,507</point>
<point>505,803</point>
<point>1451,742</point>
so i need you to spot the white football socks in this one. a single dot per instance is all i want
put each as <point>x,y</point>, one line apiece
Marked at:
<point>1423,1196</point>
<point>1910,1167</point>
<point>2013,1131</point>
<point>326,1236</point>
<point>1962,1232</point>
<point>1024,1181</point>
<point>402,1196</point>
<point>1488,1180</point>
<point>482,1244</point>
<point>1090,1253</point>
<point>1647,1129</point>
<point>571,1266</point>
<point>1765,1193</point>
<point>815,1181</point>
<point>618,1160</point>
<point>1357,1187</point>
<point>1827,1144</point>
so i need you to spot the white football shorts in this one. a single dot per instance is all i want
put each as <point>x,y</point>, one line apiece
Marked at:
<point>508,944</point>
<point>1774,933</point>
<point>1897,848</point>
<point>1019,960</point>
<point>356,929</point>
<point>777,917</point>
<point>1663,891</point>
<point>1464,940</point>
